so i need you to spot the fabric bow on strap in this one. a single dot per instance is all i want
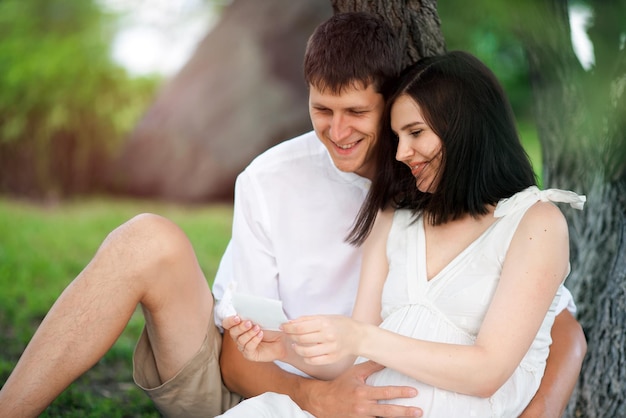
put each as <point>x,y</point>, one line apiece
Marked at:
<point>533,194</point>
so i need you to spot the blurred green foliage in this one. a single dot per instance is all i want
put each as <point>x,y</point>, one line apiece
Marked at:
<point>64,105</point>
<point>483,29</point>
<point>588,130</point>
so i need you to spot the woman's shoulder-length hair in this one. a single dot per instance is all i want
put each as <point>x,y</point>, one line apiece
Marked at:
<point>483,159</point>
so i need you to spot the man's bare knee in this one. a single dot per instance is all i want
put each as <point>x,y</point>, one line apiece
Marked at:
<point>148,254</point>
<point>147,240</point>
<point>148,233</point>
<point>165,260</point>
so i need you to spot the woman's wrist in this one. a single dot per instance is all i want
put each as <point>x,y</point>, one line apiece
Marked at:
<point>363,337</point>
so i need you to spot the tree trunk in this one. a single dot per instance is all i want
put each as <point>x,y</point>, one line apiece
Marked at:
<point>415,21</point>
<point>580,118</point>
<point>240,93</point>
<point>601,391</point>
<point>571,158</point>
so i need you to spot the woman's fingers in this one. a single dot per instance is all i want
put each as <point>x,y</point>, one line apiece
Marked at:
<point>313,330</point>
<point>321,339</point>
<point>317,354</point>
<point>304,325</point>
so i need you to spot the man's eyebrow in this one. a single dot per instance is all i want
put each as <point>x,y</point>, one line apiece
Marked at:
<point>363,108</point>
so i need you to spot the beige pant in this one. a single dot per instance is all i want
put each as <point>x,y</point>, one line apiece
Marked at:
<point>196,391</point>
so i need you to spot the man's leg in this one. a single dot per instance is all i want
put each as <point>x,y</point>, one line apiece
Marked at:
<point>147,261</point>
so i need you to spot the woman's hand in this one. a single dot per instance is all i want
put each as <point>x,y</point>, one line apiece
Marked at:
<point>324,339</point>
<point>254,343</point>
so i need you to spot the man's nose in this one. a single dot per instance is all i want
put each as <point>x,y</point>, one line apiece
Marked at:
<point>339,128</point>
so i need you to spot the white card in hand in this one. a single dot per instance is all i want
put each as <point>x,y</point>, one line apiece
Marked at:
<point>267,313</point>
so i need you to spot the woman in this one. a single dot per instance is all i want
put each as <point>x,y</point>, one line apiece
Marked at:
<point>462,264</point>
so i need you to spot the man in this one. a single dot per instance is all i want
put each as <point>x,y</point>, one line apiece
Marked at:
<point>293,207</point>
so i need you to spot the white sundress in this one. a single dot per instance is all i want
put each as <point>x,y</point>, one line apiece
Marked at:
<point>449,308</point>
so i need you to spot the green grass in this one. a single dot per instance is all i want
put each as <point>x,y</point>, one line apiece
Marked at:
<point>43,248</point>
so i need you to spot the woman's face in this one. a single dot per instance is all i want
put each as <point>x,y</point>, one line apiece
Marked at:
<point>418,146</point>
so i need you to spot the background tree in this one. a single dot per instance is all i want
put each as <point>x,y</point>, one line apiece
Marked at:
<point>64,106</point>
<point>580,115</point>
<point>240,93</point>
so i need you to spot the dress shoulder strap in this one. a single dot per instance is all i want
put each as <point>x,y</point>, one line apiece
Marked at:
<point>528,197</point>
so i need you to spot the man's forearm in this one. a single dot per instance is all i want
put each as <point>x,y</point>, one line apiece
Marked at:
<point>562,369</point>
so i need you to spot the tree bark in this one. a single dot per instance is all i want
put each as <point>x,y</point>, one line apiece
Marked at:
<point>416,22</point>
<point>601,391</point>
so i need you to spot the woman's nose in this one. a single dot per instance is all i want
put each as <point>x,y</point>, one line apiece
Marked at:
<point>404,150</point>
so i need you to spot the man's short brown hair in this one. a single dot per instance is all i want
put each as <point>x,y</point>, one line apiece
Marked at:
<point>352,48</point>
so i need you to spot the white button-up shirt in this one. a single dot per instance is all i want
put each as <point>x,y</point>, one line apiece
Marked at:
<point>293,210</point>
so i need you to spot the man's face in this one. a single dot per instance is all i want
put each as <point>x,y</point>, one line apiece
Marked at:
<point>348,125</point>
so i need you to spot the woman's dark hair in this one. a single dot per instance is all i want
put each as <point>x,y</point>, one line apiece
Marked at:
<point>352,48</point>
<point>483,160</point>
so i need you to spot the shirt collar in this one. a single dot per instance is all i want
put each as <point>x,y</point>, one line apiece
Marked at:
<point>352,178</point>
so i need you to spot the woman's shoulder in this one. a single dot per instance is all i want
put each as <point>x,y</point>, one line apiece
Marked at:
<point>541,219</point>
<point>543,212</point>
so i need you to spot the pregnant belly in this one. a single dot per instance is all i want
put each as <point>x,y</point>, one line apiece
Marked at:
<point>427,323</point>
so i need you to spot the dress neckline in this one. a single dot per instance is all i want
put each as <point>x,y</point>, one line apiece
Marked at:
<point>421,256</point>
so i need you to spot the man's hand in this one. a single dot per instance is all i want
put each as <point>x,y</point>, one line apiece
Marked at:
<point>348,396</point>
<point>254,343</point>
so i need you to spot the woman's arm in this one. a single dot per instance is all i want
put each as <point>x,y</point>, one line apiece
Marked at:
<point>535,265</point>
